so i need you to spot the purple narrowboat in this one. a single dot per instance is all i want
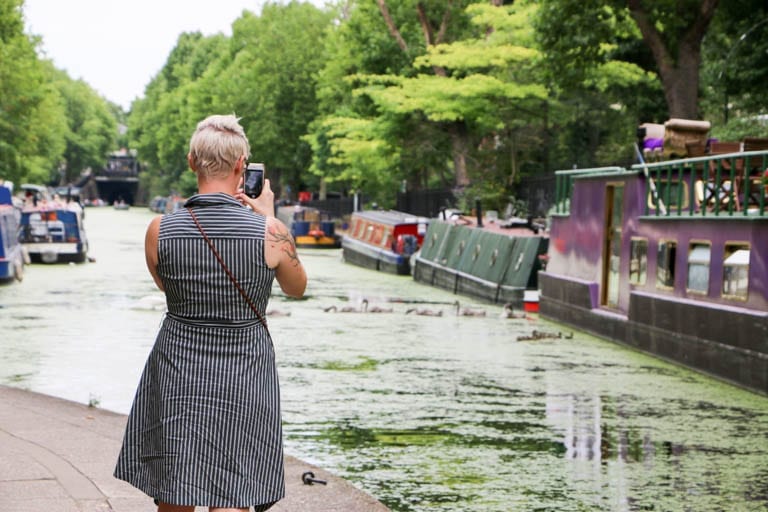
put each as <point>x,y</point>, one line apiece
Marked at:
<point>670,258</point>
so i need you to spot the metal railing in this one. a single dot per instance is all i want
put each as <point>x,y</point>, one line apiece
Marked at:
<point>564,184</point>
<point>713,185</point>
<point>717,185</point>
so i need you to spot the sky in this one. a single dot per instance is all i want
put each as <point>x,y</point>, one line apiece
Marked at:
<point>117,46</point>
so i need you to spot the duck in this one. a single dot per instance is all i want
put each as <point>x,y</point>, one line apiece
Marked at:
<point>509,312</point>
<point>424,312</point>
<point>467,311</point>
<point>541,335</point>
<point>375,309</point>
<point>345,309</point>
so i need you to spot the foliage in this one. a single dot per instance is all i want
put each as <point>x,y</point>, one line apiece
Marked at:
<point>91,131</point>
<point>51,127</point>
<point>368,95</point>
<point>735,62</point>
<point>25,107</point>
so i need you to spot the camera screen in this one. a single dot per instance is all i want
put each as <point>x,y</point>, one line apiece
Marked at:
<point>252,179</point>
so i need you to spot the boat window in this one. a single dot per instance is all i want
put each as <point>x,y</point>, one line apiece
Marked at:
<point>378,234</point>
<point>638,262</point>
<point>665,264</point>
<point>698,267</point>
<point>736,271</point>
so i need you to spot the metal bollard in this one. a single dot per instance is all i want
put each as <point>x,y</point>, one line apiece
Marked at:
<point>309,478</point>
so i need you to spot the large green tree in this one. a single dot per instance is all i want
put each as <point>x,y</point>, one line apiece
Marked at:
<point>91,128</point>
<point>573,34</point>
<point>160,123</point>
<point>28,111</point>
<point>272,82</point>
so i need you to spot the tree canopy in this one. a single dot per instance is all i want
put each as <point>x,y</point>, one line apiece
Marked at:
<point>374,96</point>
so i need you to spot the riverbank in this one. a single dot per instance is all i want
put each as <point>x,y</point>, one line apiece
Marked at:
<point>58,456</point>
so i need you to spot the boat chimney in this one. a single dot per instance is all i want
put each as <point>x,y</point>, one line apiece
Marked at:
<point>479,210</point>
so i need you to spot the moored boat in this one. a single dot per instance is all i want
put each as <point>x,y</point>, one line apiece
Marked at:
<point>11,251</point>
<point>493,261</point>
<point>311,228</point>
<point>52,231</point>
<point>383,240</point>
<point>669,258</point>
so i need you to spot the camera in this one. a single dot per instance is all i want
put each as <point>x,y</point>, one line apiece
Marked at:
<point>253,180</point>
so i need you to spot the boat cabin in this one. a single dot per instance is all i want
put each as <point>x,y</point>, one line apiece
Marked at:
<point>669,257</point>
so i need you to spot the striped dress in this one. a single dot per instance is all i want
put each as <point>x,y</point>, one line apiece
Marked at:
<point>205,427</point>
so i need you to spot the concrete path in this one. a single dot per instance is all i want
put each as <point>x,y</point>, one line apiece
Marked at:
<point>58,456</point>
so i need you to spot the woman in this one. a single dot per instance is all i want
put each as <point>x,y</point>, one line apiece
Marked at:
<point>205,428</point>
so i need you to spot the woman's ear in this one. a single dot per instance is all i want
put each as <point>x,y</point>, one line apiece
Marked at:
<point>240,165</point>
<point>191,161</point>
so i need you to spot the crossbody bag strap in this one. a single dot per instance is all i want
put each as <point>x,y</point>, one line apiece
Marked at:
<point>226,269</point>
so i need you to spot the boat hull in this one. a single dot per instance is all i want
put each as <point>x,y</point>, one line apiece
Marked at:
<point>318,242</point>
<point>727,343</point>
<point>493,266</point>
<point>57,252</point>
<point>367,256</point>
<point>11,252</point>
<point>11,266</point>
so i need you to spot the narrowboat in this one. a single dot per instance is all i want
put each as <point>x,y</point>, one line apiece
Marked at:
<point>494,261</point>
<point>11,252</point>
<point>383,240</point>
<point>51,230</point>
<point>670,258</point>
<point>310,227</point>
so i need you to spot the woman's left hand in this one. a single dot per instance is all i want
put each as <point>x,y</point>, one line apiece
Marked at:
<point>264,204</point>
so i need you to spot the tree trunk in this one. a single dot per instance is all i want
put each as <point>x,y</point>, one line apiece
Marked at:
<point>459,149</point>
<point>457,130</point>
<point>679,73</point>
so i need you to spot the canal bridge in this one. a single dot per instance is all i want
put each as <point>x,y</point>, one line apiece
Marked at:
<point>118,180</point>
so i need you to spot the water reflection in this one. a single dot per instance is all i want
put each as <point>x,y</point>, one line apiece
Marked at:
<point>429,414</point>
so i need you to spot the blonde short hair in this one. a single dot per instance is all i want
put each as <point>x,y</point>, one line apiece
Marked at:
<point>217,143</point>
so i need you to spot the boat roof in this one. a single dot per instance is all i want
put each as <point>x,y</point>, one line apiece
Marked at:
<point>390,217</point>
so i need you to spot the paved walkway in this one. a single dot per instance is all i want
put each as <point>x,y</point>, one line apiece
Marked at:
<point>58,456</point>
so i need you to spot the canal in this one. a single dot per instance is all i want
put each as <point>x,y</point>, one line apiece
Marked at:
<point>427,413</point>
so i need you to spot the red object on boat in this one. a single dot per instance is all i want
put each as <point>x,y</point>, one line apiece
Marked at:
<point>531,301</point>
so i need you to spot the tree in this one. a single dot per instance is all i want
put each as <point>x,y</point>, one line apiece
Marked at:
<point>29,113</point>
<point>91,131</point>
<point>272,80</point>
<point>573,32</point>
<point>735,68</point>
<point>160,123</point>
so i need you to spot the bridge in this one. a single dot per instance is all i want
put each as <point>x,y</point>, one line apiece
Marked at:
<point>119,179</point>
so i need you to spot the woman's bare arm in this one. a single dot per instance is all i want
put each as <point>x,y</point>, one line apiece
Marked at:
<point>150,250</point>
<point>280,254</point>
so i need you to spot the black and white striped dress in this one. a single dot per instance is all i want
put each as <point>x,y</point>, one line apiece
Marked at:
<point>205,427</point>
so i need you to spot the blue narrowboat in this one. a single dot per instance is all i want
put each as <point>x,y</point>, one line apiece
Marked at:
<point>310,227</point>
<point>52,231</point>
<point>11,251</point>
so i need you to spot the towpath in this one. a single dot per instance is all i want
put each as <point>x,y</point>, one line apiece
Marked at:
<point>58,456</point>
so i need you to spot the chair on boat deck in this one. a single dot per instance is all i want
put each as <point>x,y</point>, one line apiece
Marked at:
<point>719,188</point>
<point>757,170</point>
